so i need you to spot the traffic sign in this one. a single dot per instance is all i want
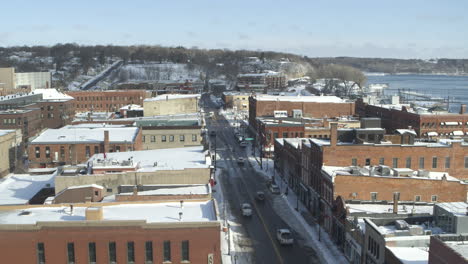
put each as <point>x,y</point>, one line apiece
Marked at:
<point>249,139</point>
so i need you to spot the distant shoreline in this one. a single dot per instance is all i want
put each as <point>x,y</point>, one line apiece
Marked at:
<point>413,73</point>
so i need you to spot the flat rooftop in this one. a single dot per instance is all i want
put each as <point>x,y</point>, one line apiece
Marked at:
<point>456,208</point>
<point>16,189</point>
<point>87,133</point>
<point>410,255</point>
<point>165,97</point>
<point>388,208</point>
<point>198,189</point>
<point>153,160</point>
<point>203,211</point>
<point>316,99</point>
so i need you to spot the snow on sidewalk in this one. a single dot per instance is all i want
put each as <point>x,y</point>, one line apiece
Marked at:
<point>285,206</point>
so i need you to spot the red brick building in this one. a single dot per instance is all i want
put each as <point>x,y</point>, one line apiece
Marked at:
<point>151,232</point>
<point>307,106</point>
<point>448,248</point>
<point>28,120</point>
<point>106,101</point>
<point>261,81</point>
<point>76,144</point>
<point>426,124</point>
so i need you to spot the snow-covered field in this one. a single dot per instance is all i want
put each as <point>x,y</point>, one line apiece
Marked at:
<point>158,72</point>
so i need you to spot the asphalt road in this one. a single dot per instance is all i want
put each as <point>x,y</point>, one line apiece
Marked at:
<point>240,183</point>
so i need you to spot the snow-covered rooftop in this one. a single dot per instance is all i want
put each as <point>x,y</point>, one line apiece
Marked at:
<point>154,160</point>
<point>299,98</point>
<point>456,208</point>
<point>52,94</point>
<point>86,133</point>
<point>410,255</point>
<point>198,189</point>
<point>18,189</point>
<point>150,212</point>
<point>165,97</point>
<point>386,208</point>
<point>4,132</point>
<point>131,107</point>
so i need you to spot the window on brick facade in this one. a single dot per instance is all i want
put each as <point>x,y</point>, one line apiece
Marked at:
<point>153,138</point>
<point>434,162</point>
<point>62,152</point>
<point>185,250</point>
<point>96,149</point>
<point>408,162</point>
<point>381,161</point>
<point>171,138</point>
<point>181,138</point>
<point>421,162</point>
<point>71,253</point>
<point>41,253</point>
<point>131,252</point>
<point>194,137</point>
<point>163,138</point>
<point>143,138</point>
<point>47,152</point>
<point>38,152</point>
<point>88,151</point>
<point>368,161</point>
<point>466,162</point>
<point>395,162</point>
<point>112,253</point>
<point>447,162</point>
<point>149,252</point>
<point>373,196</point>
<point>434,198</point>
<point>275,135</point>
<point>92,252</point>
<point>117,148</point>
<point>354,161</point>
<point>167,250</point>
<point>417,198</point>
<point>285,134</point>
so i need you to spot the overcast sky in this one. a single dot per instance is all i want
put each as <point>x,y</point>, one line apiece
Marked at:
<point>361,28</point>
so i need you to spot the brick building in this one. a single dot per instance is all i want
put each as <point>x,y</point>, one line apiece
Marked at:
<point>298,106</point>
<point>260,81</point>
<point>106,101</point>
<point>171,104</point>
<point>237,100</point>
<point>76,144</point>
<point>425,123</point>
<point>144,232</point>
<point>27,120</point>
<point>448,248</point>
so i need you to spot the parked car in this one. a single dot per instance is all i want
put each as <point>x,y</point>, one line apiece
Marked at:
<point>260,196</point>
<point>243,144</point>
<point>284,236</point>
<point>274,189</point>
<point>246,209</point>
<point>240,161</point>
<point>212,133</point>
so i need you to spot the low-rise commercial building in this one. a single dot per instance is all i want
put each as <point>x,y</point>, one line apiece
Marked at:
<point>76,144</point>
<point>144,232</point>
<point>106,101</point>
<point>448,248</point>
<point>260,81</point>
<point>236,100</point>
<point>10,150</point>
<point>171,104</point>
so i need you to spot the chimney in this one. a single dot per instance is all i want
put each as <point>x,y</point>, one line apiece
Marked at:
<point>395,203</point>
<point>106,141</point>
<point>333,134</point>
<point>462,109</point>
<point>325,122</point>
<point>94,213</point>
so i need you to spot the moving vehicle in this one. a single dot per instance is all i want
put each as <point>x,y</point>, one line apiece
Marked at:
<point>240,161</point>
<point>243,144</point>
<point>274,189</point>
<point>246,209</point>
<point>260,196</point>
<point>284,236</point>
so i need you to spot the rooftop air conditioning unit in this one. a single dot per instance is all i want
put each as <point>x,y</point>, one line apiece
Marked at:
<point>423,173</point>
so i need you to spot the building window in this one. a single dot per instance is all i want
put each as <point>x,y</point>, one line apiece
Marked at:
<point>62,152</point>
<point>397,194</point>
<point>395,162</point>
<point>112,253</point>
<point>153,138</point>
<point>167,250</point>
<point>417,198</point>
<point>171,138</point>
<point>408,162</point>
<point>149,251</point>
<point>38,152</point>
<point>47,152</point>
<point>434,198</point>
<point>185,250</point>
<point>194,137</point>
<point>354,161</point>
<point>88,151</point>
<point>40,253</point>
<point>182,138</point>
<point>275,135</point>
<point>381,161</point>
<point>373,196</point>
<point>367,162</point>
<point>285,134</point>
<point>131,252</point>
<point>92,252</point>
<point>71,253</point>
<point>69,152</point>
<point>447,162</point>
<point>163,138</point>
<point>434,162</point>
<point>96,149</point>
<point>117,148</point>
<point>466,162</point>
<point>143,138</point>
<point>421,162</point>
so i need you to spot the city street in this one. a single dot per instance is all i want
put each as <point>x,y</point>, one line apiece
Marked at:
<point>240,184</point>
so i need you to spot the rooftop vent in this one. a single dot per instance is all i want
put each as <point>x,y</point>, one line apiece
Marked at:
<point>25,213</point>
